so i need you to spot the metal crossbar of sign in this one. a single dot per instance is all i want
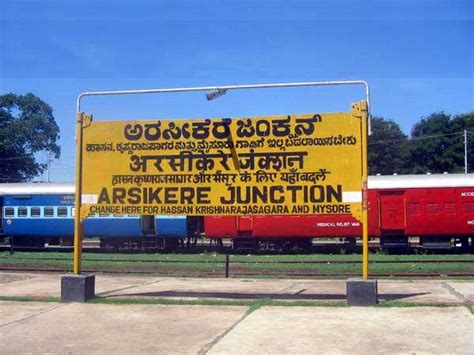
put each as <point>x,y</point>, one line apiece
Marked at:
<point>313,163</point>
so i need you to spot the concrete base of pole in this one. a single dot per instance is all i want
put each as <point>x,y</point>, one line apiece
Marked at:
<point>77,288</point>
<point>361,292</point>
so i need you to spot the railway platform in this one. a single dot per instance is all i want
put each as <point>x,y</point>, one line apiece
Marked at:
<point>419,316</point>
<point>112,286</point>
<point>36,327</point>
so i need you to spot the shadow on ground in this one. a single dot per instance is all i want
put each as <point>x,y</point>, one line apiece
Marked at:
<point>275,296</point>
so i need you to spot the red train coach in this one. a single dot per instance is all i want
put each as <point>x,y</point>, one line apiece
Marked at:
<point>437,208</point>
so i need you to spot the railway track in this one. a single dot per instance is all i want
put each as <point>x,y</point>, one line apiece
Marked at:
<point>238,268</point>
<point>299,262</point>
<point>242,273</point>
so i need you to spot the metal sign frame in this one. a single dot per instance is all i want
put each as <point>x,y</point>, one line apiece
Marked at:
<point>82,118</point>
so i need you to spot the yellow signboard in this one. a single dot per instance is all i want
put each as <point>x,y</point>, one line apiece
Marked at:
<point>291,164</point>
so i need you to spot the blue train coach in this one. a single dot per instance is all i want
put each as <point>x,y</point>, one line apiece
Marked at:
<point>33,214</point>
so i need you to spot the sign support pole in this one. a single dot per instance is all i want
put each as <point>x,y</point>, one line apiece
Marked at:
<point>77,199</point>
<point>363,291</point>
<point>78,287</point>
<point>365,227</point>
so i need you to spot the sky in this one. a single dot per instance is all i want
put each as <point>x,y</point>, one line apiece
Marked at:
<point>417,56</point>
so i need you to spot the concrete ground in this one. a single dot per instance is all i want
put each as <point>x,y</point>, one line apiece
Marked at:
<point>298,330</point>
<point>51,327</point>
<point>123,286</point>
<point>33,327</point>
<point>92,328</point>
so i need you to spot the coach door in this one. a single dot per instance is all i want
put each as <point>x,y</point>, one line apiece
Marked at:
<point>392,211</point>
<point>148,225</point>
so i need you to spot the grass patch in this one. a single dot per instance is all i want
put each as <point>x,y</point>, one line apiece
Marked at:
<point>253,305</point>
<point>276,303</point>
<point>216,257</point>
<point>213,263</point>
<point>263,302</point>
<point>403,304</point>
<point>167,301</point>
<point>470,307</point>
<point>259,304</point>
<point>30,299</point>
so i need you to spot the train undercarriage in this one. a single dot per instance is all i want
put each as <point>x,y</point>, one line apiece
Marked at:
<point>249,245</point>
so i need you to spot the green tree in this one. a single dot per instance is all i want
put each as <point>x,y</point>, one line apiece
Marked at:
<point>387,148</point>
<point>27,127</point>
<point>438,144</point>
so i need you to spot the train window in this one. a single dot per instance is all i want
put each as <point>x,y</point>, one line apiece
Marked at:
<point>62,211</point>
<point>104,215</point>
<point>9,212</point>
<point>432,208</point>
<point>35,212</point>
<point>118,215</point>
<point>414,208</point>
<point>450,208</point>
<point>468,207</point>
<point>22,212</point>
<point>48,212</point>
<point>73,211</point>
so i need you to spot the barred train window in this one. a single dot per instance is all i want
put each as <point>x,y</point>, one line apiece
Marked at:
<point>468,207</point>
<point>450,208</point>
<point>49,212</point>
<point>22,212</point>
<point>35,212</point>
<point>414,208</point>
<point>62,211</point>
<point>432,208</point>
<point>9,212</point>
